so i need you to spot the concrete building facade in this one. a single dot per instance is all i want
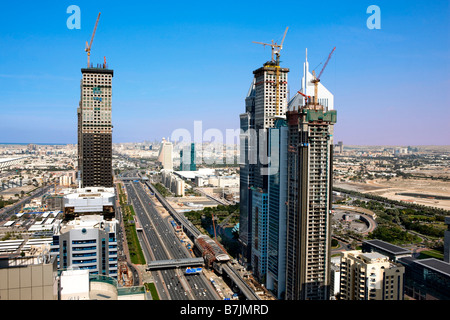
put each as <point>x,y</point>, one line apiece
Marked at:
<point>95,128</point>
<point>370,276</point>
<point>174,183</point>
<point>165,157</point>
<point>308,214</point>
<point>28,278</point>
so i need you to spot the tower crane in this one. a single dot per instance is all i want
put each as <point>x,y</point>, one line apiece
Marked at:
<point>276,49</point>
<point>306,97</point>
<point>316,80</point>
<point>89,46</point>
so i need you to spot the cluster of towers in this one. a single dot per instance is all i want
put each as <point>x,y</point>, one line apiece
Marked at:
<point>286,182</point>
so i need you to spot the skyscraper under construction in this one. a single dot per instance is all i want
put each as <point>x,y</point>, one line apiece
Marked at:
<point>266,101</point>
<point>95,128</point>
<point>308,214</point>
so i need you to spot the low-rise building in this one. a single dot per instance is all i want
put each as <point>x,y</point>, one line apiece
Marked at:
<point>87,236</point>
<point>370,276</point>
<point>426,279</point>
<point>393,252</point>
<point>87,242</point>
<point>29,277</point>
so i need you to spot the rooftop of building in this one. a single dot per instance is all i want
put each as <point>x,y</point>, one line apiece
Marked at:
<point>89,192</point>
<point>99,69</point>
<point>39,256</point>
<point>374,256</point>
<point>270,65</point>
<point>435,264</point>
<point>368,257</point>
<point>89,222</point>
<point>388,247</point>
<point>430,263</point>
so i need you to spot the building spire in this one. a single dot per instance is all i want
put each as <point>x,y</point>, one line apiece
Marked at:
<point>305,73</point>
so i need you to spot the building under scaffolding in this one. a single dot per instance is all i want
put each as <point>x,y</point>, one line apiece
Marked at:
<point>310,151</point>
<point>53,202</point>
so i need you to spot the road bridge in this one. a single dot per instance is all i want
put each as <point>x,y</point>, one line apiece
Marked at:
<point>174,263</point>
<point>7,162</point>
<point>133,178</point>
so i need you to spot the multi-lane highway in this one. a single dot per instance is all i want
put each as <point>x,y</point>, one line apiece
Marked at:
<point>6,212</point>
<point>161,243</point>
<point>192,230</point>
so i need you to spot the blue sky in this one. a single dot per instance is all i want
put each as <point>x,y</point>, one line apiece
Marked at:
<point>177,62</point>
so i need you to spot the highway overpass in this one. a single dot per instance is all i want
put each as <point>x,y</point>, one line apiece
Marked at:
<point>174,263</point>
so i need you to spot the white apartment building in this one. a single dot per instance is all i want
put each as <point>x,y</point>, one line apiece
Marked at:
<point>172,182</point>
<point>370,276</point>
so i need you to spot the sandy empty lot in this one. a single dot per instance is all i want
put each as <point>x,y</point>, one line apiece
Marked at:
<point>391,188</point>
<point>9,193</point>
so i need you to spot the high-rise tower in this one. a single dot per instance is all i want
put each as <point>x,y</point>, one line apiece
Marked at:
<point>188,158</point>
<point>265,102</point>
<point>165,157</point>
<point>326,98</point>
<point>277,197</point>
<point>95,128</point>
<point>310,151</point>
<point>247,163</point>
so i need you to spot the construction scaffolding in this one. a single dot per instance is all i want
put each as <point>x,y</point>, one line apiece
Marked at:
<point>211,250</point>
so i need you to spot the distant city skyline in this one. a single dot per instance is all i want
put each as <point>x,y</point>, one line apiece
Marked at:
<point>176,63</point>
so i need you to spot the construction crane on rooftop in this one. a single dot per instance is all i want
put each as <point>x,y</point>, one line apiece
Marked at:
<point>276,49</point>
<point>306,97</point>
<point>89,46</point>
<point>316,80</point>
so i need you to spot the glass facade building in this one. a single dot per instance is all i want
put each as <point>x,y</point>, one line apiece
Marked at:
<point>259,232</point>
<point>188,158</point>
<point>426,279</point>
<point>246,168</point>
<point>277,191</point>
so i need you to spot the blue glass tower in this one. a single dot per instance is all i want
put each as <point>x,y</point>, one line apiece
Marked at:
<point>277,197</point>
